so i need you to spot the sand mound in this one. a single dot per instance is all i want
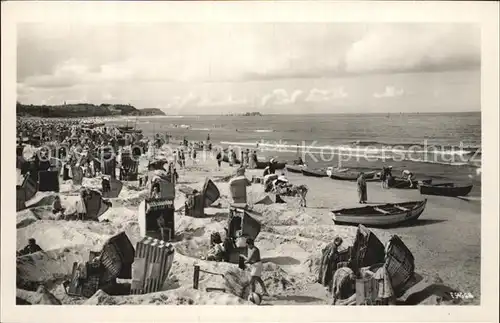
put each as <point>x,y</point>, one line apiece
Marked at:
<point>282,214</point>
<point>25,218</point>
<point>184,296</point>
<point>60,234</point>
<point>48,268</point>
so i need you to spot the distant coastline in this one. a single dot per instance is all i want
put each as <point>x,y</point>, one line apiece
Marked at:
<point>80,110</point>
<point>246,114</point>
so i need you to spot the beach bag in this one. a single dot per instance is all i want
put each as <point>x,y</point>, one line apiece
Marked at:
<point>152,264</point>
<point>48,181</point>
<point>400,263</point>
<point>77,175</point>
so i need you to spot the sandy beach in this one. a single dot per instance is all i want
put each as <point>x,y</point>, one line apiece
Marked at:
<point>445,241</point>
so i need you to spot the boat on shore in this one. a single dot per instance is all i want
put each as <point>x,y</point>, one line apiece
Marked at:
<point>445,189</point>
<point>349,175</point>
<point>263,164</point>
<point>403,183</point>
<point>390,214</point>
<point>295,168</point>
<point>314,173</point>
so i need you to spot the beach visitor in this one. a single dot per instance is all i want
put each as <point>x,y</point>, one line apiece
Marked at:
<point>247,157</point>
<point>106,185</point>
<point>194,156</point>
<point>219,159</point>
<point>328,265</point>
<point>162,227</point>
<point>32,247</point>
<point>57,208</point>
<point>362,193</point>
<point>234,156</point>
<point>242,158</point>
<point>238,186</point>
<point>231,160</point>
<point>254,159</point>
<point>255,264</point>
<point>383,177</point>
<point>408,175</point>
<point>155,194</point>
<point>267,171</point>
<point>217,250</point>
<point>272,166</point>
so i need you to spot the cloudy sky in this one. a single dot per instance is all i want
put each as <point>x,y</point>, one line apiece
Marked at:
<point>272,68</point>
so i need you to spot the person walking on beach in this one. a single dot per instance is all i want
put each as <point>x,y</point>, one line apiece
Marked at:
<point>255,264</point>
<point>362,188</point>
<point>408,175</point>
<point>254,159</point>
<point>230,157</point>
<point>219,159</point>
<point>383,177</point>
<point>246,157</point>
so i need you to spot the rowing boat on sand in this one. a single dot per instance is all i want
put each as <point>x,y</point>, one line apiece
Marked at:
<point>390,214</point>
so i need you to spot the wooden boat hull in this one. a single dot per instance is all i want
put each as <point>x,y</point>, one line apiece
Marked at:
<point>294,168</point>
<point>374,218</point>
<point>313,173</point>
<point>350,176</point>
<point>401,183</point>
<point>263,165</point>
<point>451,191</point>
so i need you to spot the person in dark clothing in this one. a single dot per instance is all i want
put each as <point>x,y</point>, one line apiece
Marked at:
<point>32,247</point>
<point>219,159</point>
<point>272,166</point>
<point>106,185</point>
<point>329,263</point>
<point>162,227</point>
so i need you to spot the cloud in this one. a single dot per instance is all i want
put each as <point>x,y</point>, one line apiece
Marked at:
<point>281,97</point>
<point>415,47</point>
<point>317,95</point>
<point>55,56</point>
<point>389,92</point>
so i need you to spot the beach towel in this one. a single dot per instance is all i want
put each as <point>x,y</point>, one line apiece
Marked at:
<point>77,175</point>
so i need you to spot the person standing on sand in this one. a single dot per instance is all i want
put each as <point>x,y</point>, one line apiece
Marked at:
<point>255,264</point>
<point>219,159</point>
<point>362,193</point>
<point>246,157</point>
<point>383,177</point>
<point>231,159</point>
